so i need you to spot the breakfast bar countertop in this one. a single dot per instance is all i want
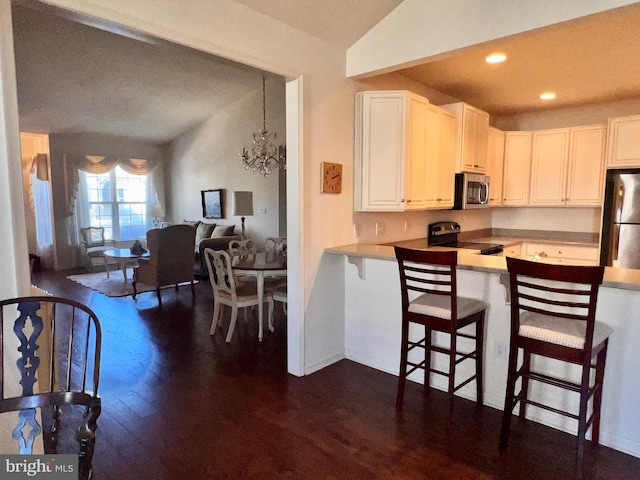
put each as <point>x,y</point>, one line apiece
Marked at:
<point>622,278</point>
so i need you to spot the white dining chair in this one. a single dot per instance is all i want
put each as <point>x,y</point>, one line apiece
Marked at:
<point>227,292</point>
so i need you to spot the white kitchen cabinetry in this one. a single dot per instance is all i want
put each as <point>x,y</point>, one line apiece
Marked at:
<point>517,167</point>
<point>495,165</point>
<point>624,142</point>
<point>472,137</point>
<point>586,172</point>
<point>389,150</point>
<point>549,167</point>
<point>440,165</point>
<point>416,153</point>
<point>567,166</point>
<point>561,253</point>
<point>512,250</point>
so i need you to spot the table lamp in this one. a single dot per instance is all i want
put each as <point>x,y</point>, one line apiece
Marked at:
<point>157,212</point>
<point>243,205</point>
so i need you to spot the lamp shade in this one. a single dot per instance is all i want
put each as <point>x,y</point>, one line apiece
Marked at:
<point>243,203</point>
<point>156,210</point>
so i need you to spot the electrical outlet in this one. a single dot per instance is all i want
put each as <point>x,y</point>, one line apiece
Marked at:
<point>379,228</point>
<point>499,350</point>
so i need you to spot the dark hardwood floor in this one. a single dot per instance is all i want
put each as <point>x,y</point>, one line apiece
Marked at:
<point>180,404</point>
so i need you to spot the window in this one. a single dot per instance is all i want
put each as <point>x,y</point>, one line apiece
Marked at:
<point>117,201</point>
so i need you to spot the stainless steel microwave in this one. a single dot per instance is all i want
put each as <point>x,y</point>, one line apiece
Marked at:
<point>471,191</point>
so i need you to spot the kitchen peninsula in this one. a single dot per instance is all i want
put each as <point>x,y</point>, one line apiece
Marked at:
<point>372,312</point>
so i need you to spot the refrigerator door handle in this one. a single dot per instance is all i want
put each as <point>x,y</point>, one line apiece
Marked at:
<point>615,241</point>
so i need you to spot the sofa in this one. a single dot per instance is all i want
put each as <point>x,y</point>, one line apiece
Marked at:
<point>209,235</point>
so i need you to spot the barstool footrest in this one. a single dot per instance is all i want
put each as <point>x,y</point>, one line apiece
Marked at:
<point>550,380</point>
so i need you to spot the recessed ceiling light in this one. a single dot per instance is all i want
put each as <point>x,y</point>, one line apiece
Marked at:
<point>496,58</point>
<point>547,96</point>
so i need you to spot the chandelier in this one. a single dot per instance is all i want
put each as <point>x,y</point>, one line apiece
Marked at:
<point>264,156</point>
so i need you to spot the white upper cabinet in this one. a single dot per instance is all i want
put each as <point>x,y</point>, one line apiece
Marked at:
<point>495,165</point>
<point>624,142</point>
<point>416,162</point>
<point>568,166</point>
<point>517,169</point>
<point>441,138</point>
<point>586,173</point>
<point>390,142</point>
<point>472,137</point>
<point>549,167</point>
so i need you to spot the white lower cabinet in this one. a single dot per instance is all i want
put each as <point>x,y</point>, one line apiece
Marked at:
<point>561,253</point>
<point>512,250</point>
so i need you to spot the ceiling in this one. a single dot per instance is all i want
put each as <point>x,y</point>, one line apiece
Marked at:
<point>75,78</point>
<point>586,61</point>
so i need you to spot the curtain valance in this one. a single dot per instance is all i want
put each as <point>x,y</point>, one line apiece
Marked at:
<point>99,164</point>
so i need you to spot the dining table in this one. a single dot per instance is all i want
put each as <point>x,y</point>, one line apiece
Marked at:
<point>260,265</point>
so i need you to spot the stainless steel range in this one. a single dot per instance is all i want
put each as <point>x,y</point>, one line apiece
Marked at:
<point>445,234</point>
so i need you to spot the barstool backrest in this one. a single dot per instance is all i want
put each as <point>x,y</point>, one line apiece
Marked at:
<point>562,294</point>
<point>428,272</point>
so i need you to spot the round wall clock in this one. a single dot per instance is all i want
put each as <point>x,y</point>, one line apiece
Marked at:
<point>331,177</point>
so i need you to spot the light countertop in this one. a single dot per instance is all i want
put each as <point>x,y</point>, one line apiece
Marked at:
<point>623,278</point>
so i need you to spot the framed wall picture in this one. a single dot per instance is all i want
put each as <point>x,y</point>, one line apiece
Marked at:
<point>213,203</point>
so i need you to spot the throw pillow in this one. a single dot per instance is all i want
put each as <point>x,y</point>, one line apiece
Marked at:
<point>223,231</point>
<point>193,223</point>
<point>204,231</point>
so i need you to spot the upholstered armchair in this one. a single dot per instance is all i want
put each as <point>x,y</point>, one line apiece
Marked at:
<point>95,244</point>
<point>170,259</point>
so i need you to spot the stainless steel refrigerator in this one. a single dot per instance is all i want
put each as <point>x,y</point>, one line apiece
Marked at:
<point>621,220</point>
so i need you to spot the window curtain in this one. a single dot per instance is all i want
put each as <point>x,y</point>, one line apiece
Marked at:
<point>41,205</point>
<point>99,164</point>
<point>77,214</point>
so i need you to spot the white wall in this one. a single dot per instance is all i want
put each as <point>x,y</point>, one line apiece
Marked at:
<point>14,255</point>
<point>207,157</point>
<point>568,117</point>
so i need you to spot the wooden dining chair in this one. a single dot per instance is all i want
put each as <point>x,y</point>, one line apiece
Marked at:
<point>50,362</point>
<point>227,292</point>
<point>553,310</point>
<point>275,244</point>
<point>244,247</point>
<point>428,282</point>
